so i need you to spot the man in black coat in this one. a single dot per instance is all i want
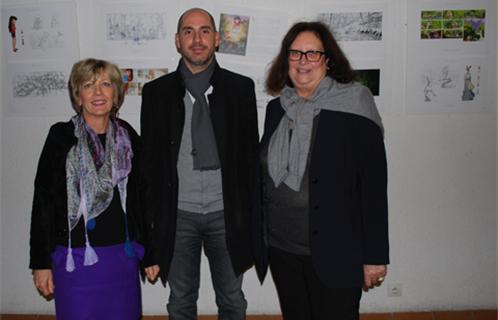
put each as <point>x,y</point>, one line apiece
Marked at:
<point>200,140</point>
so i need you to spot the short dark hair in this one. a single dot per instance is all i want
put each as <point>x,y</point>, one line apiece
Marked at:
<point>338,66</point>
<point>180,20</point>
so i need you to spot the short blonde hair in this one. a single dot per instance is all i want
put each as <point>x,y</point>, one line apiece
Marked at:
<point>89,69</point>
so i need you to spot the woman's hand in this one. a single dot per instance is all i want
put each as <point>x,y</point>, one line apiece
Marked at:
<point>373,276</point>
<point>152,272</point>
<point>44,282</point>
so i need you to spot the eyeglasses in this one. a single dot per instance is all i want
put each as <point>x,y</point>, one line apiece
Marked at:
<point>90,86</point>
<point>311,56</point>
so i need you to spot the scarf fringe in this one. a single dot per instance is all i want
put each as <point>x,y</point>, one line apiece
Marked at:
<point>91,256</point>
<point>69,260</point>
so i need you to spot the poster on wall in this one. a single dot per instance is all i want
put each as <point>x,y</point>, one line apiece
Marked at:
<point>135,74</point>
<point>361,29</point>
<point>233,34</point>
<point>39,47</point>
<point>131,29</point>
<point>449,85</point>
<point>467,25</point>
<point>354,26</point>
<point>449,56</point>
<point>372,74</point>
<point>47,31</point>
<point>442,28</point>
<point>370,78</point>
<point>135,78</point>
<point>364,32</point>
<point>36,88</point>
<point>244,33</point>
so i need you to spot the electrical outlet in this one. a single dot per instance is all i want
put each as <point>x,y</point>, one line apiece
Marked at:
<point>394,290</point>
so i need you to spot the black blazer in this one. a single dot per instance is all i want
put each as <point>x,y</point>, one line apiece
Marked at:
<point>347,195</point>
<point>234,117</point>
<point>49,213</point>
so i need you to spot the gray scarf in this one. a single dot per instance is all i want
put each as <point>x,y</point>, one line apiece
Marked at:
<point>290,143</point>
<point>204,150</point>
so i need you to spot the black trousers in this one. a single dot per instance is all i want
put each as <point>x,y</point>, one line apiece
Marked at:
<point>301,294</point>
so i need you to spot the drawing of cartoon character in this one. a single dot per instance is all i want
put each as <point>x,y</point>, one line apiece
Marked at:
<point>445,79</point>
<point>468,87</point>
<point>428,91</point>
<point>12,31</point>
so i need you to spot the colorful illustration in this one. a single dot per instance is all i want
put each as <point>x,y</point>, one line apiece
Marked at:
<point>474,25</point>
<point>134,79</point>
<point>369,78</point>
<point>234,30</point>
<point>468,25</point>
<point>354,26</point>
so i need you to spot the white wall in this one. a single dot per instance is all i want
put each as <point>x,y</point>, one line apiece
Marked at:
<point>442,192</point>
<point>497,178</point>
<point>2,29</point>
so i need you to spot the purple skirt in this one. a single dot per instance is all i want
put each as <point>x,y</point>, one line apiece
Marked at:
<point>109,289</point>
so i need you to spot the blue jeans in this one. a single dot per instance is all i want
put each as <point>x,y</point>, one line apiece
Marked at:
<point>194,230</point>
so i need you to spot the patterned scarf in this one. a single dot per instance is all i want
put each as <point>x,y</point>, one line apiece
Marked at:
<point>92,172</point>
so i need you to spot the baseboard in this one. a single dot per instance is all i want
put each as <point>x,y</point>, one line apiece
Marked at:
<point>428,315</point>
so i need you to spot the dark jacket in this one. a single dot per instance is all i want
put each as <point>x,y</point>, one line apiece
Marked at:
<point>347,195</point>
<point>49,214</point>
<point>234,117</point>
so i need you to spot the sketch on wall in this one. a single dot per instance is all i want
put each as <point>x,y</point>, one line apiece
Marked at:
<point>450,57</point>
<point>39,84</point>
<point>46,34</point>
<point>468,25</point>
<point>447,86</point>
<point>40,32</point>
<point>38,88</point>
<point>233,30</point>
<point>136,27</point>
<point>354,26</point>
<point>451,83</point>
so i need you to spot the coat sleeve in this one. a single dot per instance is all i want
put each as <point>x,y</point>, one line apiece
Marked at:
<point>147,137</point>
<point>373,193</point>
<point>43,210</point>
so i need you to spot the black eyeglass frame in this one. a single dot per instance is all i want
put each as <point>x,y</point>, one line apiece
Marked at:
<point>306,54</point>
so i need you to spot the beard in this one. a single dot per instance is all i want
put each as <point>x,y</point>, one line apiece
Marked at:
<point>198,62</point>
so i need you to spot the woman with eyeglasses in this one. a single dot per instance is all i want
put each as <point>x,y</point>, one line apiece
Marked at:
<point>86,224</point>
<point>324,180</point>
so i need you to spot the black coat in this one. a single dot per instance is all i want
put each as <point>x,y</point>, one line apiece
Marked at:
<point>347,195</point>
<point>234,117</point>
<point>49,213</point>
